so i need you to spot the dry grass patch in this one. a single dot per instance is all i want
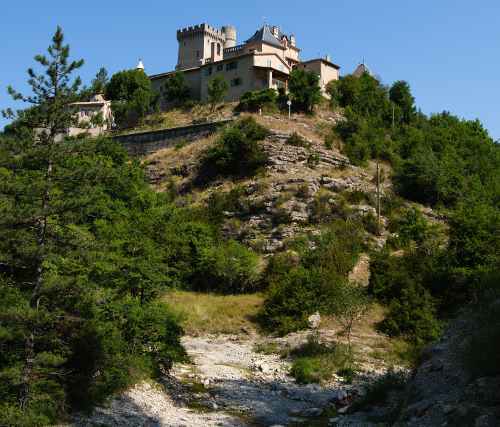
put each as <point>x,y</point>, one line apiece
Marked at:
<point>390,351</point>
<point>203,313</point>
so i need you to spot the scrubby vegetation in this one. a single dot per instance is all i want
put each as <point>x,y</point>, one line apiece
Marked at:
<point>304,90</point>
<point>132,97</point>
<point>175,90</point>
<point>314,362</point>
<point>304,280</point>
<point>253,101</point>
<point>443,161</point>
<point>237,153</point>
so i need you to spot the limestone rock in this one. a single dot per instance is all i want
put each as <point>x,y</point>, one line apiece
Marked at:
<point>314,320</point>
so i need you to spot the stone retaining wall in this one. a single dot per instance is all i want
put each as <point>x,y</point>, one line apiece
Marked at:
<point>143,143</point>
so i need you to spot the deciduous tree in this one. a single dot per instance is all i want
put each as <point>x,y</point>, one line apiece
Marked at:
<point>217,89</point>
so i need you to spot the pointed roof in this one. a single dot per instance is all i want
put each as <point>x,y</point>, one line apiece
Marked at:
<point>361,69</point>
<point>140,65</point>
<point>265,35</point>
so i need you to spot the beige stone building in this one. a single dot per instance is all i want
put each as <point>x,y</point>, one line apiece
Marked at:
<point>263,61</point>
<point>94,116</point>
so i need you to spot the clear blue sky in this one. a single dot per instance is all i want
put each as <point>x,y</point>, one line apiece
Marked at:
<point>448,50</point>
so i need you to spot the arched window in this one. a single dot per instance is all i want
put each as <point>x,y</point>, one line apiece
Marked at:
<point>218,48</point>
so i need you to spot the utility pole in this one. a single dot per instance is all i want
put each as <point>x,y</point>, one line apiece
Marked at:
<point>378,197</point>
<point>289,103</point>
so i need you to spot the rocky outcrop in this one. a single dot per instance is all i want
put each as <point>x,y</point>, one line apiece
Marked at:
<point>443,393</point>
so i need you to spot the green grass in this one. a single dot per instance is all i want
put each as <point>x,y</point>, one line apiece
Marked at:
<point>268,348</point>
<point>397,351</point>
<point>205,313</point>
<point>314,362</point>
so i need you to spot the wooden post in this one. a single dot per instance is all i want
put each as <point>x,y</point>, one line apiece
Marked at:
<point>378,197</point>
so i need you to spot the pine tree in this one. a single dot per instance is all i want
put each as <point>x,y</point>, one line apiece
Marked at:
<point>52,94</point>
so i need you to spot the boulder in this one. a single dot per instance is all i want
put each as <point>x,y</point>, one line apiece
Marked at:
<point>314,320</point>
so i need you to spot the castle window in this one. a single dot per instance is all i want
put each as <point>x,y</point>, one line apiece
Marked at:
<point>218,48</point>
<point>197,53</point>
<point>236,82</point>
<point>220,67</point>
<point>208,71</point>
<point>232,66</point>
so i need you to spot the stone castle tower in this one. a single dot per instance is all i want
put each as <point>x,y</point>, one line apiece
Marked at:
<point>202,44</point>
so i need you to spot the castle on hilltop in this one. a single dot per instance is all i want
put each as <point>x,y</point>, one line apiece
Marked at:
<point>264,61</point>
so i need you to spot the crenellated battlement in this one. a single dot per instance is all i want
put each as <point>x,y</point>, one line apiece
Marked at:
<point>200,30</point>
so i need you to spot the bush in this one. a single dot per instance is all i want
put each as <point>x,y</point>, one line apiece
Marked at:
<point>132,96</point>
<point>265,99</point>
<point>125,343</point>
<point>228,268</point>
<point>410,285</point>
<point>413,315</point>
<point>304,90</point>
<point>298,141</point>
<point>309,281</point>
<point>220,202</point>
<point>290,299</point>
<point>316,363</point>
<point>216,91</point>
<point>313,160</point>
<point>236,153</point>
<point>175,90</point>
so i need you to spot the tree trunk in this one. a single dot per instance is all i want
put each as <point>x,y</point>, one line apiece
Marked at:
<point>29,358</point>
<point>29,342</point>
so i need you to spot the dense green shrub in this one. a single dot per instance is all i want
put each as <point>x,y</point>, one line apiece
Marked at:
<point>310,280</point>
<point>292,297</point>
<point>412,314</point>
<point>265,99</point>
<point>364,95</point>
<point>414,287</point>
<point>96,328</point>
<point>236,153</point>
<point>370,222</point>
<point>411,227</point>
<point>175,90</point>
<point>132,96</point>
<point>228,268</point>
<point>304,90</point>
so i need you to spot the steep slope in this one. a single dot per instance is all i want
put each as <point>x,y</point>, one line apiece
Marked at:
<point>303,185</point>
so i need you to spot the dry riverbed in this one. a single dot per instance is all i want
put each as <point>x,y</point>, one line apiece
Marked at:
<point>230,383</point>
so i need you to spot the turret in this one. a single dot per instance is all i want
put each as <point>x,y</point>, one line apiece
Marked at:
<point>199,45</point>
<point>230,34</point>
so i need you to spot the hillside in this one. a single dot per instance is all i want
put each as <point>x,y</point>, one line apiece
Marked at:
<point>337,268</point>
<point>285,200</point>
